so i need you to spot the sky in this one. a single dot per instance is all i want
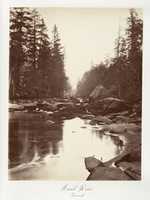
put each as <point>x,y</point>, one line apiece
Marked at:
<point>87,34</point>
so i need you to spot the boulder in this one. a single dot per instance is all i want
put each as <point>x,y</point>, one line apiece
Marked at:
<point>91,163</point>
<point>16,107</point>
<point>131,164</point>
<point>121,119</point>
<point>86,116</point>
<point>108,105</point>
<point>135,155</point>
<point>46,106</point>
<point>122,128</point>
<point>63,114</point>
<point>108,173</point>
<point>30,106</point>
<point>101,119</point>
<point>114,115</point>
<point>99,91</point>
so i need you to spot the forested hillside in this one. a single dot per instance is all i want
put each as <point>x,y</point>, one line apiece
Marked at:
<point>36,61</point>
<point>122,75</point>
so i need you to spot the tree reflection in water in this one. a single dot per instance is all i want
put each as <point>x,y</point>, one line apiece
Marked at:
<point>50,152</point>
<point>28,138</point>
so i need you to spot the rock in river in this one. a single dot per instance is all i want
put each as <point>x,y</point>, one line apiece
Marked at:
<point>108,105</point>
<point>101,119</point>
<point>108,173</point>
<point>91,163</point>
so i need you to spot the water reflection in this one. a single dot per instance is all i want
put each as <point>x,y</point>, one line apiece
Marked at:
<point>118,142</point>
<point>27,137</point>
<point>56,152</point>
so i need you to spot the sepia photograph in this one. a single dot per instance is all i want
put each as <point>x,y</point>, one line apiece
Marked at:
<point>75,94</point>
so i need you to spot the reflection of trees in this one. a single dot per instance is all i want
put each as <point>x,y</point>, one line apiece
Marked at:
<point>98,133</point>
<point>118,143</point>
<point>15,146</point>
<point>54,135</point>
<point>29,137</point>
<point>54,147</point>
<point>19,144</point>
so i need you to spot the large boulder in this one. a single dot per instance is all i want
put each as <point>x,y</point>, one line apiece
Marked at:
<point>108,173</point>
<point>99,91</point>
<point>92,163</point>
<point>108,105</point>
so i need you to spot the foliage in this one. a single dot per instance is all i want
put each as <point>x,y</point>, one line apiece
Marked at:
<point>125,69</point>
<point>36,61</point>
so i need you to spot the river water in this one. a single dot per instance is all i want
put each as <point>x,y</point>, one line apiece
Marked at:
<point>40,151</point>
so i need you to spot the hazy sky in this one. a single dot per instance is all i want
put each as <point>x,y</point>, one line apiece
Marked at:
<point>88,35</point>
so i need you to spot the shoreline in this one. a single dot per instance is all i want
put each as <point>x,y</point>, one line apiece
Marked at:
<point>129,159</point>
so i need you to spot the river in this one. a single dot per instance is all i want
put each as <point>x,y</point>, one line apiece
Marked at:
<point>40,151</point>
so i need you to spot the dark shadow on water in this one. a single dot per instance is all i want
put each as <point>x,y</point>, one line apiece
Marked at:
<point>26,137</point>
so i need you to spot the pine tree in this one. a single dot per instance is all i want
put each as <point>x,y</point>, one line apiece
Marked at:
<point>37,69</point>
<point>134,55</point>
<point>36,62</point>
<point>33,46</point>
<point>45,63</point>
<point>19,24</point>
<point>58,65</point>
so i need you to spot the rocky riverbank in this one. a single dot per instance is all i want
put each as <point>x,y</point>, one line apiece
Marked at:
<point>113,116</point>
<point>126,166</point>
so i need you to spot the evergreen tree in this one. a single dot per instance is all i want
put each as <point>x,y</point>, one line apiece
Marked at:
<point>39,53</point>
<point>36,62</point>
<point>58,65</point>
<point>45,63</point>
<point>19,24</point>
<point>124,71</point>
<point>134,47</point>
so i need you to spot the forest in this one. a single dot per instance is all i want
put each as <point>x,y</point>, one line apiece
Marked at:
<point>120,76</point>
<point>37,68</point>
<point>36,61</point>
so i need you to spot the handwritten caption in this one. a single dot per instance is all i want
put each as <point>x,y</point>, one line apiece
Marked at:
<point>77,190</point>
